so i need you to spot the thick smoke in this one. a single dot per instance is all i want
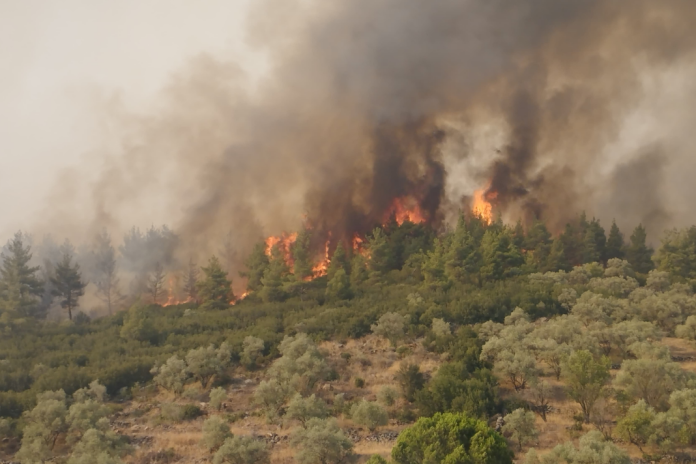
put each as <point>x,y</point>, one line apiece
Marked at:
<point>368,101</point>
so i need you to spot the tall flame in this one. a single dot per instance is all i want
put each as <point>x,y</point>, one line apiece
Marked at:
<point>322,266</point>
<point>284,242</point>
<point>482,207</point>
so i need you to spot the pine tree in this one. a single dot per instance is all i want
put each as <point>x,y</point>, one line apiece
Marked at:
<point>518,237</point>
<point>380,252</point>
<point>215,289</point>
<point>67,281</point>
<point>538,243</point>
<point>275,277</point>
<point>19,285</point>
<point>339,260</point>
<point>615,243</point>
<point>600,239</point>
<point>556,260</point>
<point>338,287</point>
<point>155,282</point>
<point>191,282</point>
<point>108,283</point>
<point>257,264</point>
<point>638,254</point>
<point>590,254</point>
<point>572,238</point>
<point>302,260</point>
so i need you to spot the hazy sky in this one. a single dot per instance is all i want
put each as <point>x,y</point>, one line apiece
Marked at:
<point>57,57</point>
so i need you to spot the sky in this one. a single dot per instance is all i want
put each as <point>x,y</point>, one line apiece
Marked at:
<point>58,58</point>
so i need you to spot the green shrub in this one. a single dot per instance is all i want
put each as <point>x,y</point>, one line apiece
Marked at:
<point>450,438</point>
<point>215,432</point>
<point>387,395</point>
<point>359,382</point>
<point>176,413</point>
<point>369,414</point>
<point>218,396</point>
<point>376,459</point>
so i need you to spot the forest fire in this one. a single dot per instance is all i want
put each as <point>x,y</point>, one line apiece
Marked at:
<point>405,209</point>
<point>322,266</point>
<point>481,206</point>
<point>284,243</point>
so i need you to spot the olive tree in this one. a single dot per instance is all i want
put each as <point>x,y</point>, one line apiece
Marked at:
<point>390,326</point>
<point>171,375</point>
<point>206,362</point>
<point>592,448</point>
<point>303,409</point>
<point>321,442</point>
<point>369,414</point>
<point>520,425</point>
<point>585,378</point>
<point>252,349</point>
<point>215,432</point>
<point>242,450</point>
<point>218,396</point>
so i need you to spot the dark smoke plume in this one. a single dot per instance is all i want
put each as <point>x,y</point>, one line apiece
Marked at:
<point>361,99</point>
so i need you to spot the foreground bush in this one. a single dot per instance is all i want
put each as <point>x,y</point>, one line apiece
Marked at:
<point>454,438</point>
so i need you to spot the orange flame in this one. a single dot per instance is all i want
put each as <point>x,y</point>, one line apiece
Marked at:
<point>284,242</point>
<point>482,207</point>
<point>405,209</point>
<point>322,266</point>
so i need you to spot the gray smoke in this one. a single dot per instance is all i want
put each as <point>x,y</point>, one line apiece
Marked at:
<point>368,101</point>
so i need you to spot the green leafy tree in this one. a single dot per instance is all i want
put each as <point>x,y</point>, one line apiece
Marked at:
<point>304,409</point>
<point>387,395</point>
<point>137,325</point>
<point>67,281</point>
<point>593,449</point>
<point>252,349</point>
<point>369,414</point>
<point>206,362</point>
<point>638,254</point>
<point>321,442</point>
<point>636,426</point>
<point>215,432</point>
<point>390,326</point>
<point>218,395</point>
<point>615,243</point>
<point>242,450</point>
<point>172,375</point>
<point>677,253</point>
<point>585,378</point>
<point>19,286</point>
<point>98,446</point>
<point>520,425</point>
<point>450,438</point>
<point>215,289</point>
<point>256,264</point>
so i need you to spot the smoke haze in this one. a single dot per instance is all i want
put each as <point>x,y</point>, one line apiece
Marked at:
<point>555,107</point>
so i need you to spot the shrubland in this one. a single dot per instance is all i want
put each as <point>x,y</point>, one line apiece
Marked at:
<point>486,326</point>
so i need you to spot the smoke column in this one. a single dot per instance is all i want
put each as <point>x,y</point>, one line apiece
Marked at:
<point>550,105</point>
